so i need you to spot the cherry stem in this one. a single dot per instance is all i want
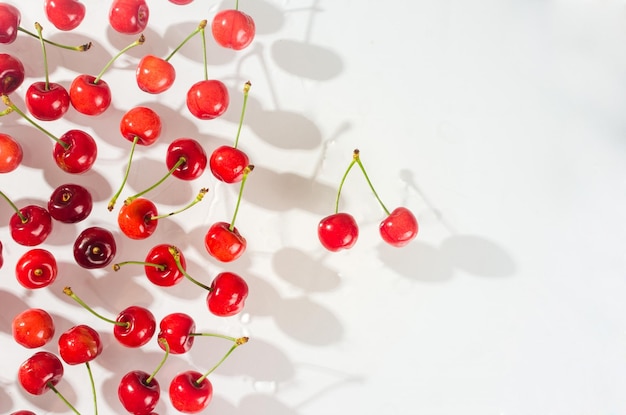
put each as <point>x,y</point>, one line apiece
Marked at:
<point>343,179</point>
<point>120,53</point>
<point>198,198</point>
<point>7,101</point>
<point>204,57</point>
<point>221,336</point>
<point>167,353</point>
<point>246,171</point>
<point>236,4</point>
<point>180,162</point>
<point>200,28</point>
<point>80,48</point>
<point>246,89</point>
<point>68,291</point>
<point>176,254</point>
<point>60,395</point>
<point>119,191</point>
<point>160,267</point>
<point>45,55</point>
<point>238,342</point>
<point>93,388</point>
<point>22,217</point>
<point>357,158</point>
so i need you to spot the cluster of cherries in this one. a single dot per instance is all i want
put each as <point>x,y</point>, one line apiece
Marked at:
<point>75,152</point>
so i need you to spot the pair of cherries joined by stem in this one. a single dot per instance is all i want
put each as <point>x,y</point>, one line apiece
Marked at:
<point>340,231</point>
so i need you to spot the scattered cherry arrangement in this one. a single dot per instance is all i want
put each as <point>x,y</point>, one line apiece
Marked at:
<point>76,151</point>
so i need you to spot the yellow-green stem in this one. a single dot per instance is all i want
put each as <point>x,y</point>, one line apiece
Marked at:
<point>198,198</point>
<point>167,353</point>
<point>45,55</point>
<point>93,388</point>
<point>358,160</point>
<point>180,162</point>
<point>23,218</point>
<point>160,267</point>
<point>246,90</point>
<point>176,254</point>
<point>246,171</point>
<point>119,191</point>
<point>120,53</point>
<point>200,28</point>
<point>80,48</point>
<point>60,395</point>
<point>238,342</point>
<point>68,291</point>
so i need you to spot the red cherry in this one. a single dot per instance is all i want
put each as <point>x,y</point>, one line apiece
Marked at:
<point>338,231</point>
<point>135,219</point>
<point>39,372</point>
<point>31,226</point>
<point>47,102</point>
<point>129,17</point>
<point>227,295</point>
<point>70,203</point>
<point>23,412</point>
<point>208,99</point>
<point>233,29</point>
<point>10,18</point>
<point>224,244</point>
<point>189,396</point>
<point>11,71</point>
<point>228,164</point>
<point>79,344</point>
<point>154,75</point>
<point>142,123</point>
<point>180,2</point>
<point>1,256</point>
<point>33,328</point>
<point>139,327</point>
<point>89,96</point>
<point>78,155</point>
<point>168,274</point>
<point>11,153</point>
<point>176,329</point>
<point>94,247</point>
<point>136,394</point>
<point>195,158</point>
<point>64,14</point>
<point>36,268</point>
<point>399,228</point>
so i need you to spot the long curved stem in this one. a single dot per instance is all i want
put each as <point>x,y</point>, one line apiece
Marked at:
<point>176,254</point>
<point>204,57</point>
<point>160,267</point>
<point>60,395</point>
<point>238,342</point>
<point>119,191</point>
<point>198,198</point>
<point>79,48</point>
<point>162,362</point>
<point>246,90</point>
<point>246,171</point>
<point>200,28</point>
<point>45,55</point>
<point>358,160</point>
<point>23,218</point>
<point>343,179</point>
<point>180,162</point>
<point>68,291</point>
<point>137,42</point>
<point>93,389</point>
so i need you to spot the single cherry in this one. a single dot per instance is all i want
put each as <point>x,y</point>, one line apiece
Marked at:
<point>227,295</point>
<point>399,227</point>
<point>64,14</point>
<point>135,219</point>
<point>23,412</point>
<point>33,328</point>
<point>94,247</point>
<point>176,329</point>
<point>70,203</point>
<point>1,256</point>
<point>29,225</point>
<point>181,2</point>
<point>129,17</point>
<point>233,29</point>
<point>79,344</point>
<point>11,153</point>
<point>11,73</point>
<point>208,99</point>
<point>160,266</point>
<point>36,268</point>
<point>40,372</point>
<point>186,158</point>
<point>338,231</point>
<point>10,18</point>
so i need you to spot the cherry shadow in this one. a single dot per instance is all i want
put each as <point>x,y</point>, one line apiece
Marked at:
<point>268,18</point>
<point>306,60</point>
<point>6,403</point>
<point>12,305</point>
<point>120,41</point>
<point>97,185</point>
<point>192,50</point>
<point>49,402</point>
<point>304,271</point>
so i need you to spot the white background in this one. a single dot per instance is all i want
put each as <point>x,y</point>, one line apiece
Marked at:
<point>499,123</point>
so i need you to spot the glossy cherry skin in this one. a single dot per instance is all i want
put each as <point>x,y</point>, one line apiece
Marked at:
<point>88,96</point>
<point>35,229</point>
<point>129,17</point>
<point>70,203</point>
<point>11,153</point>
<point>228,294</point>
<point>10,18</point>
<point>194,154</point>
<point>135,218</point>
<point>176,329</point>
<point>11,73</point>
<point>80,154</point>
<point>33,328</point>
<point>399,228</point>
<point>228,163</point>
<point>64,14</point>
<point>23,412</point>
<point>47,102</point>
<point>187,395</point>
<point>36,268</point>
<point>79,344</point>
<point>39,371</point>
<point>338,231</point>
<point>233,29</point>
<point>224,244</point>
<point>143,123</point>
<point>170,274</point>
<point>154,75</point>
<point>94,247</point>
<point>136,395</point>
<point>1,256</point>
<point>140,328</point>
<point>208,99</point>
<point>181,2</point>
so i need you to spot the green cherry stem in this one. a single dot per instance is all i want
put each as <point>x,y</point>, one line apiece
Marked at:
<point>357,158</point>
<point>162,362</point>
<point>7,101</point>
<point>137,42</point>
<point>236,4</point>
<point>246,90</point>
<point>60,395</point>
<point>204,57</point>
<point>80,48</point>
<point>126,173</point>
<point>93,388</point>
<point>160,267</point>
<point>45,55</point>
<point>176,254</point>
<point>199,29</point>
<point>181,161</point>
<point>68,291</point>
<point>23,218</point>
<point>198,198</point>
<point>238,342</point>
<point>246,171</point>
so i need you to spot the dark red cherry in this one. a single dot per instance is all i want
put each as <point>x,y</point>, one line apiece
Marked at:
<point>94,247</point>
<point>11,73</point>
<point>10,19</point>
<point>70,203</point>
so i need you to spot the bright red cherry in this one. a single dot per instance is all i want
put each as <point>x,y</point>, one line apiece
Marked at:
<point>138,392</point>
<point>180,2</point>
<point>138,326</point>
<point>129,17</point>
<point>76,152</point>
<point>154,75</point>
<point>166,274</point>
<point>190,392</point>
<point>94,247</point>
<point>1,256</point>
<point>79,344</point>
<point>142,124</point>
<point>30,225</point>
<point>23,412</point>
<point>64,14</point>
<point>399,227</point>
<point>135,219</point>
<point>11,72</point>
<point>11,153</point>
<point>176,330</point>
<point>36,268</point>
<point>208,99</point>
<point>10,18</point>
<point>192,154</point>
<point>47,101</point>
<point>223,243</point>
<point>227,295</point>
<point>70,203</point>
<point>90,95</point>
<point>233,29</point>
<point>40,373</point>
<point>228,163</point>
<point>338,231</point>
<point>33,328</point>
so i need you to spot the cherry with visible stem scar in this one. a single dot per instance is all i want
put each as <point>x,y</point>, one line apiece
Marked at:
<point>30,225</point>
<point>159,266</point>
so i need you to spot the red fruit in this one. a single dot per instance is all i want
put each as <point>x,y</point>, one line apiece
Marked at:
<point>11,153</point>
<point>33,328</point>
<point>129,17</point>
<point>139,329</point>
<point>94,247</point>
<point>154,75</point>
<point>88,96</point>
<point>11,72</point>
<point>187,395</point>
<point>176,329</point>
<point>1,256</point>
<point>227,295</point>
<point>181,2</point>
<point>79,344</point>
<point>80,154</point>
<point>399,228</point>
<point>70,203</point>
<point>194,155</point>
<point>39,372</point>
<point>10,18</point>
<point>169,274</point>
<point>338,231</point>
<point>136,395</point>
<point>143,123</point>
<point>64,14</point>
<point>34,229</point>
<point>224,244</point>
<point>23,413</point>
<point>36,268</point>
<point>208,99</point>
<point>228,164</point>
<point>135,218</point>
<point>47,102</point>
<point>233,29</point>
